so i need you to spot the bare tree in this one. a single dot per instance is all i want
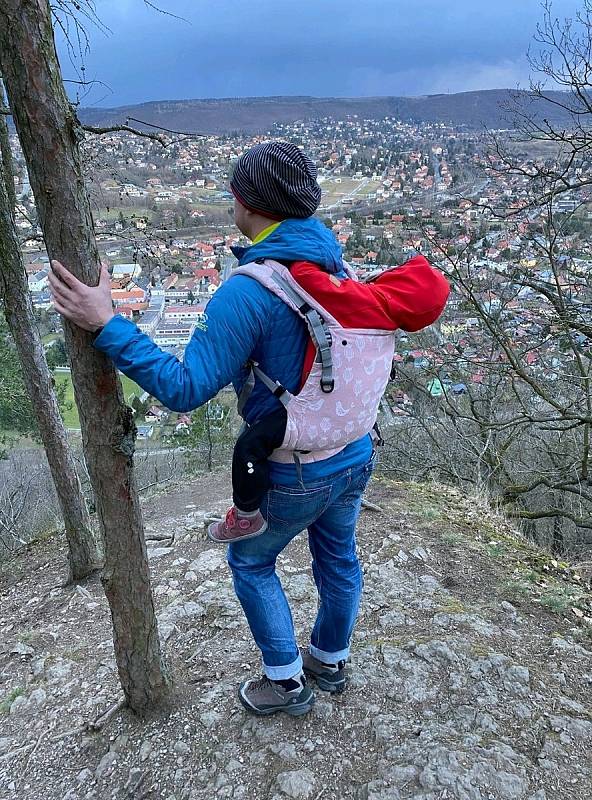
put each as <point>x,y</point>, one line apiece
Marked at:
<point>83,550</point>
<point>16,501</point>
<point>561,56</point>
<point>49,133</point>
<point>504,403</point>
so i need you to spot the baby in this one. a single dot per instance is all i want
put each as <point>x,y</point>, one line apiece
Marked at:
<point>408,297</point>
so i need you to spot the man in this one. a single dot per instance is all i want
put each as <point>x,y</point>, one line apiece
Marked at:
<point>276,193</point>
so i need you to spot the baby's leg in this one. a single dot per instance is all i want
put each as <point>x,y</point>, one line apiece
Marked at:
<point>250,480</point>
<point>250,470</point>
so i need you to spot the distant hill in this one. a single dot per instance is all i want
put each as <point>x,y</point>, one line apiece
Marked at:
<point>257,114</point>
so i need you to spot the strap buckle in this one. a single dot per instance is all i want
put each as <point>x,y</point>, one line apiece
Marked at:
<point>376,434</point>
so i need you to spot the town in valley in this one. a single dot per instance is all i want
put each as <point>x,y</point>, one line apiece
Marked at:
<point>391,189</point>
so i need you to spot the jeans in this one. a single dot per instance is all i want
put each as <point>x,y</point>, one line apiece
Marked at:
<point>329,509</point>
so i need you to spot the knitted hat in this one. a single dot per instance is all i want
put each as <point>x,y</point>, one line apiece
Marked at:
<point>276,180</point>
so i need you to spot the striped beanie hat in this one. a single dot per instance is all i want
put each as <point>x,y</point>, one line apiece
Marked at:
<point>276,180</point>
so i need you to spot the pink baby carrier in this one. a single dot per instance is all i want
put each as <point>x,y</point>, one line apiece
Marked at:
<point>339,400</point>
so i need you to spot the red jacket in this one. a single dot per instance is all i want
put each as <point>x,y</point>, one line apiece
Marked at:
<point>410,297</point>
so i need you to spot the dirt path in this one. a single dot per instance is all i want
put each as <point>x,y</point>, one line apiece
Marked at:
<point>454,692</point>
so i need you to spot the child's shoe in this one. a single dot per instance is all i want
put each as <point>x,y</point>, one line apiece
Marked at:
<point>236,527</point>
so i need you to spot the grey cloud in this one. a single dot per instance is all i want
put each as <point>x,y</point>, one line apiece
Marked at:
<point>317,47</point>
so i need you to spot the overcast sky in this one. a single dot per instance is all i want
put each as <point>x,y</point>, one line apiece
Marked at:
<point>347,48</point>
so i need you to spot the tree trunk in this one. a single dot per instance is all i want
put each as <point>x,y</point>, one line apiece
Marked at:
<point>6,155</point>
<point>49,133</point>
<point>84,554</point>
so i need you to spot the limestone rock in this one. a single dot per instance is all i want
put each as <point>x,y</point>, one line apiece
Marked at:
<point>181,748</point>
<point>106,764</point>
<point>159,552</point>
<point>296,783</point>
<point>208,561</point>
<point>20,649</point>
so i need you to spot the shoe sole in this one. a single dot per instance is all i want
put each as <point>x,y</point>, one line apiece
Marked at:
<point>212,538</point>
<point>325,685</point>
<point>296,710</point>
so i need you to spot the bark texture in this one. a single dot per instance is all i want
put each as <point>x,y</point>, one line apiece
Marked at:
<point>83,552</point>
<point>49,134</point>
<point>8,174</point>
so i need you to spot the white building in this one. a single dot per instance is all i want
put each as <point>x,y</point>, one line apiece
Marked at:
<point>39,281</point>
<point>133,270</point>
<point>186,313</point>
<point>149,321</point>
<point>173,333</point>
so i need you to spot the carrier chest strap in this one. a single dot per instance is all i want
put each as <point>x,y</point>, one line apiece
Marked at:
<point>318,330</point>
<point>275,387</point>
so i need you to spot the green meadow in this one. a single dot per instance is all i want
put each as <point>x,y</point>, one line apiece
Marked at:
<point>71,413</point>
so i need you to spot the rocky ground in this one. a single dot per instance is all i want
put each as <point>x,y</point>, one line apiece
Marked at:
<point>470,678</point>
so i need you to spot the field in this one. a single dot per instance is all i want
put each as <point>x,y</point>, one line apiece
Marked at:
<point>50,337</point>
<point>71,415</point>
<point>334,192</point>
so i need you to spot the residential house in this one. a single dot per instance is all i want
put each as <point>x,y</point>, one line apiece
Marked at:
<point>155,414</point>
<point>39,281</point>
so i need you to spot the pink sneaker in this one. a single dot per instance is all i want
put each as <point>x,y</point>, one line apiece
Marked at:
<point>234,527</point>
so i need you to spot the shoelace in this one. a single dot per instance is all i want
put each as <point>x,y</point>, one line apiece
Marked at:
<point>265,683</point>
<point>230,517</point>
<point>261,683</point>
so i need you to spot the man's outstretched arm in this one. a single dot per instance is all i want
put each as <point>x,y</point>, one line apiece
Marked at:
<point>213,358</point>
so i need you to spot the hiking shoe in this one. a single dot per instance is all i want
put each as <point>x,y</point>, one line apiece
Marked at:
<point>329,677</point>
<point>235,527</point>
<point>262,696</point>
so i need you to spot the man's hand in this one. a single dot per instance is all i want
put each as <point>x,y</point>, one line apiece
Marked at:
<point>89,307</point>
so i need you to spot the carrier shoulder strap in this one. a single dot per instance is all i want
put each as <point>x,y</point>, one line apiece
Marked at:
<point>275,387</point>
<point>317,326</point>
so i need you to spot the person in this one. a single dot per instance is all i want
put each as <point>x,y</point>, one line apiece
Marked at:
<point>276,193</point>
<point>409,297</point>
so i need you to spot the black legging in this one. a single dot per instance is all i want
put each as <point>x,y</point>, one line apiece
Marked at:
<point>250,471</point>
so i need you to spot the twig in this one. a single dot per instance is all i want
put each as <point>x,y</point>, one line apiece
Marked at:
<point>166,130</point>
<point>154,7</point>
<point>128,129</point>
<point>88,727</point>
<point>431,569</point>
<point>37,743</point>
<point>101,721</point>
<point>23,749</point>
<point>371,506</point>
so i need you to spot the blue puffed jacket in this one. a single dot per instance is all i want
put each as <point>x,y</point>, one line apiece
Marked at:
<point>243,321</point>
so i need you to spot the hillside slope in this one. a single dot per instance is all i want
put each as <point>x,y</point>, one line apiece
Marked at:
<point>256,114</point>
<point>454,692</point>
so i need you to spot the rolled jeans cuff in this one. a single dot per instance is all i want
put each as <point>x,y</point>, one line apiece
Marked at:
<point>329,658</point>
<point>284,672</point>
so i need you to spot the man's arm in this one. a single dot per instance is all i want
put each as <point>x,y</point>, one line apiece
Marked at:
<point>235,320</point>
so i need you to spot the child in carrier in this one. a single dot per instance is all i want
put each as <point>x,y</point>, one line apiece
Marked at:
<point>409,297</point>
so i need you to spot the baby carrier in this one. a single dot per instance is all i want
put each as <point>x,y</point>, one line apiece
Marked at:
<point>339,400</point>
